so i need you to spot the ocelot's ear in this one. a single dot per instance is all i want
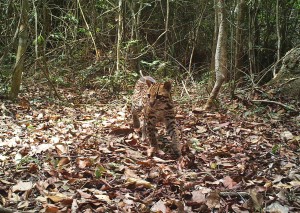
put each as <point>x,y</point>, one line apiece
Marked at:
<point>149,83</point>
<point>168,85</point>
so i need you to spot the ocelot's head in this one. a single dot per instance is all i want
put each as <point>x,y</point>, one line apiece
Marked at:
<point>159,94</point>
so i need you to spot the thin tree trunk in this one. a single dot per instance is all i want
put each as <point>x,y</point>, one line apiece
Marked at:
<point>19,66</point>
<point>166,30</point>
<point>119,39</point>
<point>278,37</point>
<point>220,57</point>
<point>253,34</point>
<point>238,40</point>
<point>213,52</point>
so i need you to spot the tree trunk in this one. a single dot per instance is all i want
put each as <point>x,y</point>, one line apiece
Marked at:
<point>220,57</point>
<point>119,39</point>
<point>213,51</point>
<point>278,37</point>
<point>19,66</point>
<point>238,53</point>
<point>166,30</point>
<point>253,37</point>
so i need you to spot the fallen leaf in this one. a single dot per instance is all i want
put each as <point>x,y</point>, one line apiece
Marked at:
<point>103,198</point>
<point>228,182</point>
<point>286,135</point>
<point>159,206</point>
<point>198,196</point>
<point>58,197</point>
<point>63,161</point>
<point>22,186</point>
<point>50,208</point>
<point>139,182</point>
<point>213,200</point>
<point>276,207</point>
<point>83,162</point>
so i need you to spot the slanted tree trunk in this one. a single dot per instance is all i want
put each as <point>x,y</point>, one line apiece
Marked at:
<point>19,66</point>
<point>220,57</point>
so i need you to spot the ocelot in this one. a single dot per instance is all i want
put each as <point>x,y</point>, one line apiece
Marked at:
<point>154,101</point>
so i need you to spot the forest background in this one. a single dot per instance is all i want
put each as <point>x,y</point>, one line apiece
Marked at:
<point>68,68</point>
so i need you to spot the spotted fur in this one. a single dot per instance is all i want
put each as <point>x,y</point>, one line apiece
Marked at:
<point>153,100</point>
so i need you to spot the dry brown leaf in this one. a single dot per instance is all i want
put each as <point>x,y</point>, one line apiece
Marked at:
<point>103,198</point>
<point>83,162</point>
<point>139,183</point>
<point>228,182</point>
<point>50,208</point>
<point>213,200</point>
<point>63,161</point>
<point>58,197</point>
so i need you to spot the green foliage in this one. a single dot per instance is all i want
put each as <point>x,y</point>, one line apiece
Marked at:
<point>82,30</point>
<point>131,43</point>
<point>100,171</point>
<point>195,144</point>
<point>103,4</point>
<point>5,75</point>
<point>26,160</point>
<point>39,40</point>
<point>57,36</point>
<point>151,65</point>
<point>70,18</point>
<point>276,149</point>
<point>117,82</point>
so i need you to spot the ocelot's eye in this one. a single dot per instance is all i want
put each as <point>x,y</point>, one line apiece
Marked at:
<point>148,95</point>
<point>159,96</point>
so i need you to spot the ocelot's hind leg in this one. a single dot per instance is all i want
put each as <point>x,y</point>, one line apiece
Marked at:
<point>135,117</point>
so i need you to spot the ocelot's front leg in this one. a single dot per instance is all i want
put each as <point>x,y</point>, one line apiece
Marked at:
<point>172,131</point>
<point>150,128</point>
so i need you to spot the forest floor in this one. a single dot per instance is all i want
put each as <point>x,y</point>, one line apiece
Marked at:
<point>84,156</point>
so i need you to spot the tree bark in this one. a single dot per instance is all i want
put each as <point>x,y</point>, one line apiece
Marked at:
<point>213,51</point>
<point>19,66</point>
<point>220,57</point>
<point>119,39</point>
<point>239,40</point>
<point>166,30</point>
<point>278,37</point>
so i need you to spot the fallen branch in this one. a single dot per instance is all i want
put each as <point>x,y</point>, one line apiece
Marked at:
<point>234,194</point>
<point>275,102</point>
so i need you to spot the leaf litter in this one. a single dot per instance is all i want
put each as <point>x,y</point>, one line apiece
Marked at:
<point>86,157</point>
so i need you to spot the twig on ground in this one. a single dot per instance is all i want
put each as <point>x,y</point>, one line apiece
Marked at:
<point>234,194</point>
<point>275,102</point>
